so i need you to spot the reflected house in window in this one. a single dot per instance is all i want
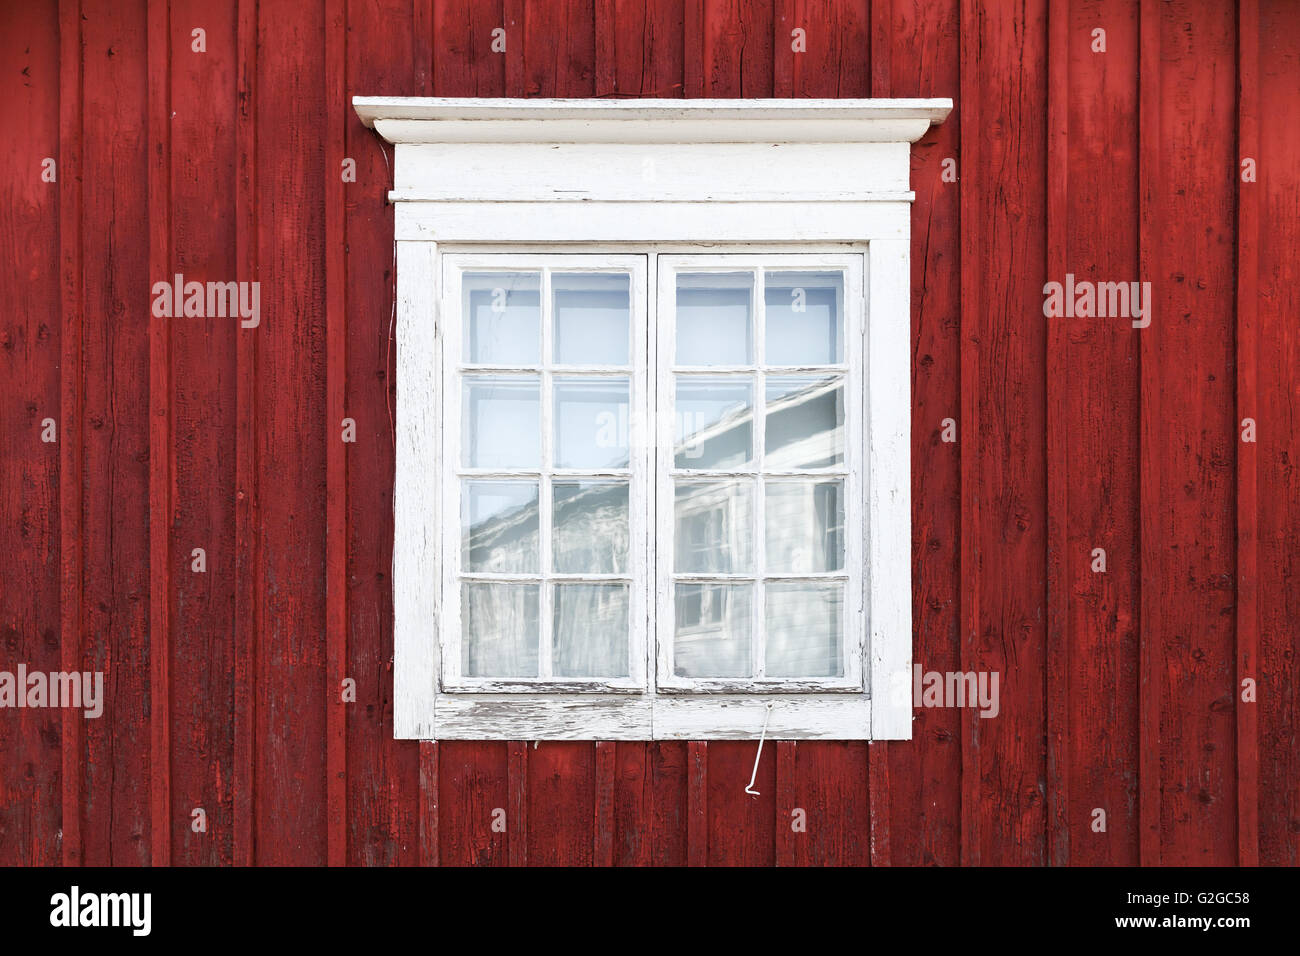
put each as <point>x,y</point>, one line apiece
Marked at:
<point>803,430</point>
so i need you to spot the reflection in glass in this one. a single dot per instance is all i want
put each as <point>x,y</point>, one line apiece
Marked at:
<point>805,422</point>
<point>804,629</point>
<point>714,325</point>
<point>591,422</point>
<point>503,317</point>
<point>499,627</point>
<point>591,628</point>
<point>805,526</point>
<point>499,527</point>
<point>715,422</point>
<point>592,318</point>
<point>712,630</point>
<point>804,325</point>
<point>501,427</point>
<point>714,527</point>
<point>590,531</point>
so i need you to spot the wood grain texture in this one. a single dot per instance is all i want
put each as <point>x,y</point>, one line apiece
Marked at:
<point>1278,483</point>
<point>32,344</point>
<point>1120,690</point>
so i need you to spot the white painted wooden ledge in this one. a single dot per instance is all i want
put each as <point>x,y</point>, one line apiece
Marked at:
<point>645,177</point>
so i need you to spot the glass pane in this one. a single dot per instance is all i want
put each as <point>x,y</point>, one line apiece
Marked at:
<point>713,628</point>
<point>499,628</point>
<point>805,526</point>
<point>714,324</point>
<point>715,422</point>
<point>804,325</point>
<point>590,527</point>
<point>502,422</point>
<point>714,527</point>
<point>804,629</point>
<point>805,423</point>
<point>592,318</point>
<point>503,318</point>
<point>499,526</point>
<point>590,636</point>
<point>591,423</point>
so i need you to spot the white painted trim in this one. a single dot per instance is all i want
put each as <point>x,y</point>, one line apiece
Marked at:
<point>889,494</point>
<point>416,515</point>
<point>480,120</point>
<point>640,178</point>
<point>647,717</point>
<point>791,223</point>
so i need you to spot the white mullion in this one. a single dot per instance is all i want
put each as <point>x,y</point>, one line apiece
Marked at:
<point>454,440</point>
<point>640,500</point>
<point>758,648</point>
<point>664,527</point>
<point>544,610</point>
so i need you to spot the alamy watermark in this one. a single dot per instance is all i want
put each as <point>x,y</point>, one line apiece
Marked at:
<point>1099,300</point>
<point>77,690</point>
<point>178,298</point>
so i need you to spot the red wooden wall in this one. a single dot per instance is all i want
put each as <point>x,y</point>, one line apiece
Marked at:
<point>1119,689</point>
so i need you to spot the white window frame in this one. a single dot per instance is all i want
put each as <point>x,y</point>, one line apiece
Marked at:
<point>779,178</point>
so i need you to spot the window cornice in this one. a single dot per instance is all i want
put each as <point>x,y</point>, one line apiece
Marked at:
<point>483,120</point>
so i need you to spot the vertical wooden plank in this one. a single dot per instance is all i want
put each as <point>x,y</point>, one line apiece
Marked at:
<point>30,343</point>
<point>116,403</point>
<point>475,804</point>
<point>1058,385</point>
<point>561,800</point>
<point>739,825</point>
<point>603,822</point>
<point>337,109</point>
<point>639,48</point>
<point>697,803</point>
<point>1007,636</point>
<point>1276,305</point>
<point>249,612</point>
<point>651,804</point>
<point>925,781</point>
<point>879,803</point>
<point>882,36</point>
<point>336,520</point>
<point>969,419</point>
<point>1248,243</point>
<point>428,802</point>
<point>517,813</point>
<point>71,413</point>
<point>1096,385</point>
<point>291,442</point>
<point>1151,656</point>
<point>786,802</point>
<point>835,52</point>
<point>385,796</point>
<point>202,170</point>
<point>1196,438</point>
<point>840,824</point>
<point>422,45</point>
<point>736,48</point>
<point>464,63</point>
<point>693,47</point>
<point>160,439</point>
<point>550,48</point>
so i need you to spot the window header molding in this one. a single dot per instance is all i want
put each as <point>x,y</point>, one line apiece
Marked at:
<point>562,170</point>
<point>483,120</point>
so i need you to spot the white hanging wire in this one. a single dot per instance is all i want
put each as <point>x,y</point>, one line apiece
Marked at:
<point>759,756</point>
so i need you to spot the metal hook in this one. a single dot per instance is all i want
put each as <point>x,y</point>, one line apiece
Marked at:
<point>759,756</point>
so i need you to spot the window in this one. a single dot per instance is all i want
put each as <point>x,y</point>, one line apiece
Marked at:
<point>653,418</point>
